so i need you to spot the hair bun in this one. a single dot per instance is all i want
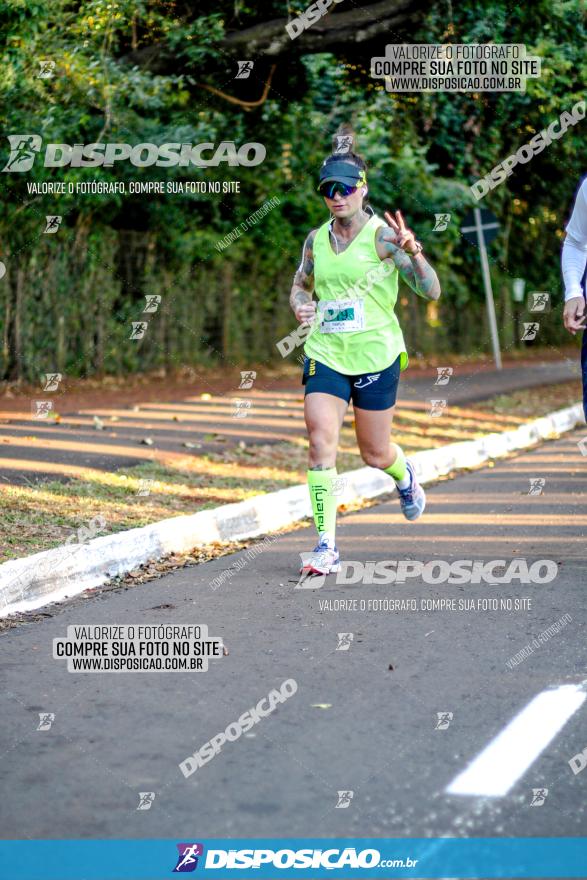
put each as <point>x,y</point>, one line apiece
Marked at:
<point>344,141</point>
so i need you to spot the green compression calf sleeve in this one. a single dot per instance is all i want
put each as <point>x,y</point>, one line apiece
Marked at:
<point>324,503</point>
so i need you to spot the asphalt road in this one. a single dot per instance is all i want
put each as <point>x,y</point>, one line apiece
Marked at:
<point>363,720</point>
<point>474,384</point>
<point>34,449</point>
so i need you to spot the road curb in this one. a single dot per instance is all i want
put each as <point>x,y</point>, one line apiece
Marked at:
<point>50,576</point>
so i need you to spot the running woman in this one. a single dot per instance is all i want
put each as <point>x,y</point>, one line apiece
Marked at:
<point>355,349</point>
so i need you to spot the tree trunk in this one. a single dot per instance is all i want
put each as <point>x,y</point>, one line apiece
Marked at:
<point>13,337</point>
<point>226,306</point>
<point>60,355</point>
<point>98,360</point>
<point>342,33</point>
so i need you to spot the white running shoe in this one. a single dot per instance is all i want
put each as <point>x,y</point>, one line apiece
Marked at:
<point>412,499</point>
<point>323,560</point>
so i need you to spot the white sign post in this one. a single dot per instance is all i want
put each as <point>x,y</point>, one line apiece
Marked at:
<point>479,227</point>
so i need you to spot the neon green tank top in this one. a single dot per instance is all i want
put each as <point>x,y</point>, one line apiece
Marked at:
<point>365,290</point>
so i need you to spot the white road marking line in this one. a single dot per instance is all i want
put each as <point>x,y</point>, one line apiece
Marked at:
<point>507,757</point>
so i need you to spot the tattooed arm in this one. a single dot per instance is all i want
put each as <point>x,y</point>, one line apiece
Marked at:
<point>300,298</point>
<point>398,243</point>
<point>416,271</point>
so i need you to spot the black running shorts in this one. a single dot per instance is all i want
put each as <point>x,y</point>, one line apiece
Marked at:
<point>373,391</point>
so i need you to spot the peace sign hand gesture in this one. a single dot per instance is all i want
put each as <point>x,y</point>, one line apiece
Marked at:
<point>405,238</point>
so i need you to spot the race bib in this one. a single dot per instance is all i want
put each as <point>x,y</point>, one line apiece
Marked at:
<point>341,316</point>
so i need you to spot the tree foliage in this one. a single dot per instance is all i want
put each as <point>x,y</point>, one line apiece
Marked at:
<point>135,71</point>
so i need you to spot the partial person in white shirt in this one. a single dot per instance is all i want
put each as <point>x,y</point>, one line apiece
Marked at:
<point>574,264</point>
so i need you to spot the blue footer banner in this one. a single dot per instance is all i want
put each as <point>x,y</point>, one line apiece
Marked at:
<point>271,858</point>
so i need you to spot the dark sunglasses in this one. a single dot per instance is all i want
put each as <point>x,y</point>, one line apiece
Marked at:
<point>329,190</point>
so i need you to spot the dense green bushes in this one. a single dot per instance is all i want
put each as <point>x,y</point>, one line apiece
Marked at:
<point>68,300</point>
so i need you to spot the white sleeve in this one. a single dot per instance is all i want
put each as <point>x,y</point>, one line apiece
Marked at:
<point>574,253</point>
